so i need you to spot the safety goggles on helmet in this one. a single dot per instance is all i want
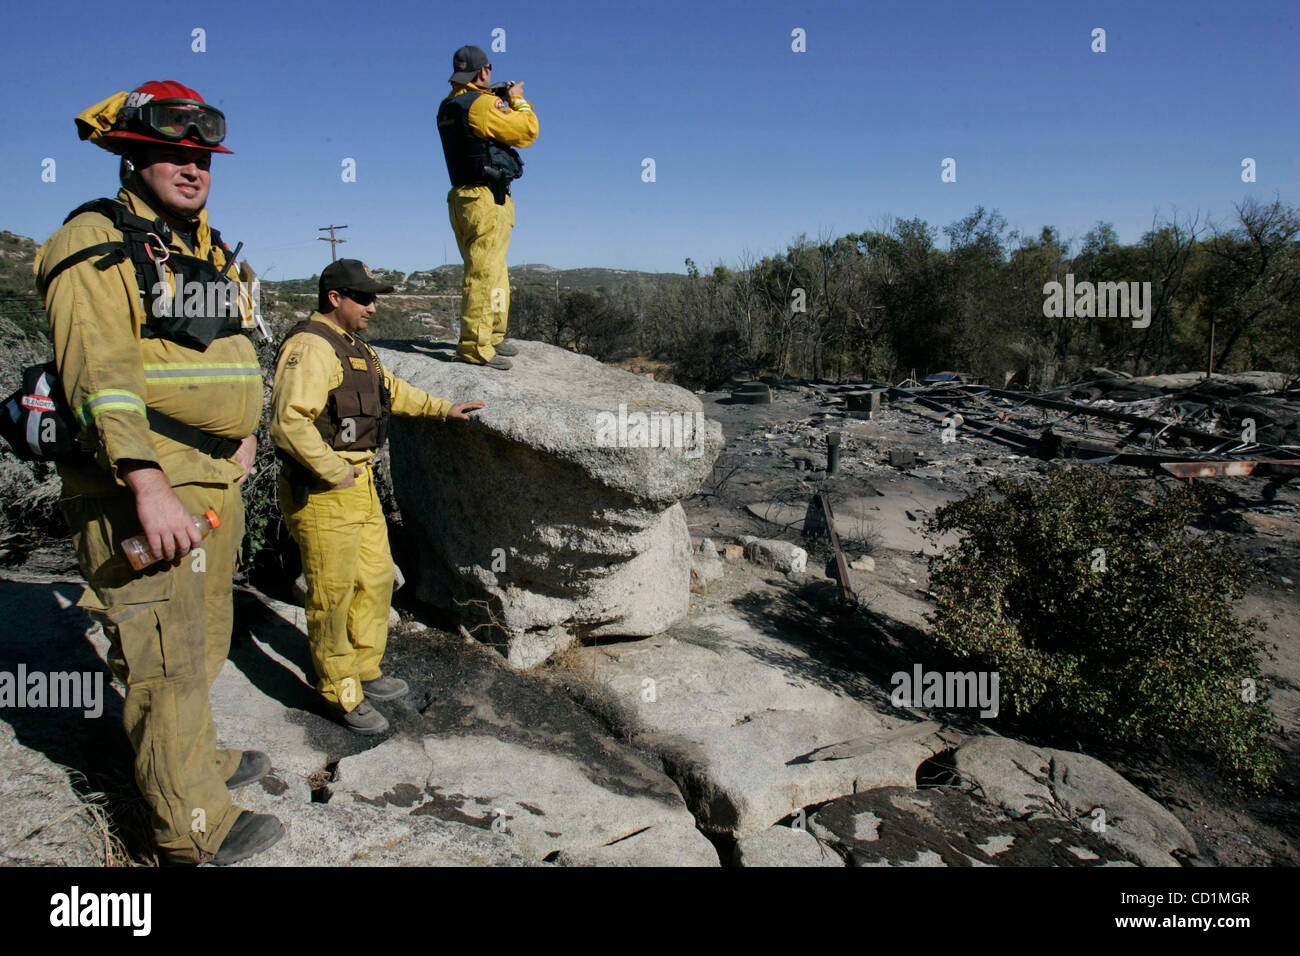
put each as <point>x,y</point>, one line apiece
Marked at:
<point>174,119</point>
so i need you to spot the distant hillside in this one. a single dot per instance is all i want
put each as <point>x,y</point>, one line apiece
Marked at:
<point>19,303</point>
<point>425,302</point>
<point>446,279</point>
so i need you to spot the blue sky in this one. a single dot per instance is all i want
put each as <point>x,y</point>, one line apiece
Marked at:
<point>753,143</point>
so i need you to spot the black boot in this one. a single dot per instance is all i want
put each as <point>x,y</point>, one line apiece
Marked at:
<point>251,834</point>
<point>253,766</point>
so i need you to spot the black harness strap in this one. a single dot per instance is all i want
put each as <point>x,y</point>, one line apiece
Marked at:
<point>178,431</point>
<point>87,253</point>
<point>135,232</point>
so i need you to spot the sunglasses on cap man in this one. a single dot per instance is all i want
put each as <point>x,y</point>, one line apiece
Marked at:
<point>360,298</point>
<point>174,119</point>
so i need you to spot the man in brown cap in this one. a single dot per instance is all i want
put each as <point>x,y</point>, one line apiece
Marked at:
<point>331,406</point>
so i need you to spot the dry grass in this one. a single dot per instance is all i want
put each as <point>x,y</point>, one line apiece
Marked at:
<point>577,677</point>
<point>93,815</point>
<point>126,820</point>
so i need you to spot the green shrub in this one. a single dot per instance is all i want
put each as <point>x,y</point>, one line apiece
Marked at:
<point>1107,615</point>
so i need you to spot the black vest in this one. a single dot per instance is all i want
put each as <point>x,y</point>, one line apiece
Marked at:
<point>472,161</point>
<point>463,151</point>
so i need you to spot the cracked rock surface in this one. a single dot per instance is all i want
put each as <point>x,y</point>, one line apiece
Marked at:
<point>734,713</point>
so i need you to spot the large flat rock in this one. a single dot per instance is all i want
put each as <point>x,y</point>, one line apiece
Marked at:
<point>348,834</point>
<point>546,803</point>
<point>1028,781</point>
<point>551,514</point>
<point>262,699</point>
<point>734,713</point>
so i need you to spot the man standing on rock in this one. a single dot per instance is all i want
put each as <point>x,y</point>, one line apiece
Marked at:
<point>479,132</point>
<point>167,400</point>
<point>331,407</point>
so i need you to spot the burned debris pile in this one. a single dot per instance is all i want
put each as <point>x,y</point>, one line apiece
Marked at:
<point>1186,425</point>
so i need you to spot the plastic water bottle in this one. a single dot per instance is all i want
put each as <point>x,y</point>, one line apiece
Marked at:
<point>137,549</point>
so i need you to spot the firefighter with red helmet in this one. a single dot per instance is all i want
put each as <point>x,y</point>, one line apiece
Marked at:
<point>167,390</point>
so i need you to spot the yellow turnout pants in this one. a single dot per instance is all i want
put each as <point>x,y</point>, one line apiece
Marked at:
<point>169,633</point>
<point>343,539</point>
<point>483,234</point>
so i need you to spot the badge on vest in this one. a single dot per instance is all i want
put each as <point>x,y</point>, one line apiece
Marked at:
<point>360,364</point>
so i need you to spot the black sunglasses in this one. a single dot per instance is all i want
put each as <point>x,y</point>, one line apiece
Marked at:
<point>360,298</point>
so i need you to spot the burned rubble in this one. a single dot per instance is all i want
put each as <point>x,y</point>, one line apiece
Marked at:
<point>883,458</point>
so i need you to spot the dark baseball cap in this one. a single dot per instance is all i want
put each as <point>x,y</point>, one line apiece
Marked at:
<point>466,62</point>
<point>351,274</point>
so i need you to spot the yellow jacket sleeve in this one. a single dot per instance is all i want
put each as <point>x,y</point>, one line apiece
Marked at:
<point>515,127</point>
<point>95,327</point>
<point>306,373</point>
<point>412,402</point>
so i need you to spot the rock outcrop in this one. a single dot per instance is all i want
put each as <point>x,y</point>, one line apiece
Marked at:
<point>901,826</point>
<point>554,513</point>
<point>1028,781</point>
<point>738,716</point>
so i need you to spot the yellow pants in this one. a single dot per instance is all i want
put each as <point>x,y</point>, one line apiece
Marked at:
<point>343,539</point>
<point>483,234</point>
<point>169,633</point>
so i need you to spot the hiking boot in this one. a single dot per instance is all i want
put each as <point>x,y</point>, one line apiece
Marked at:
<point>364,719</point>
<point>507,348</point>
<point>251,834</point>
<point>253,766</point>
<point>384,688</point>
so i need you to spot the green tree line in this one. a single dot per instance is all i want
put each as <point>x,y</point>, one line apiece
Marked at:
<point>885,303</point>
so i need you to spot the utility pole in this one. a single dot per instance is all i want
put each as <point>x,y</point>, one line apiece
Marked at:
<point>334,243</point>
<point>1209,359</point>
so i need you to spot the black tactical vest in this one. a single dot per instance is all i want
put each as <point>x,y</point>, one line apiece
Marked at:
<point>472,161</point>
<point>193,320</point>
